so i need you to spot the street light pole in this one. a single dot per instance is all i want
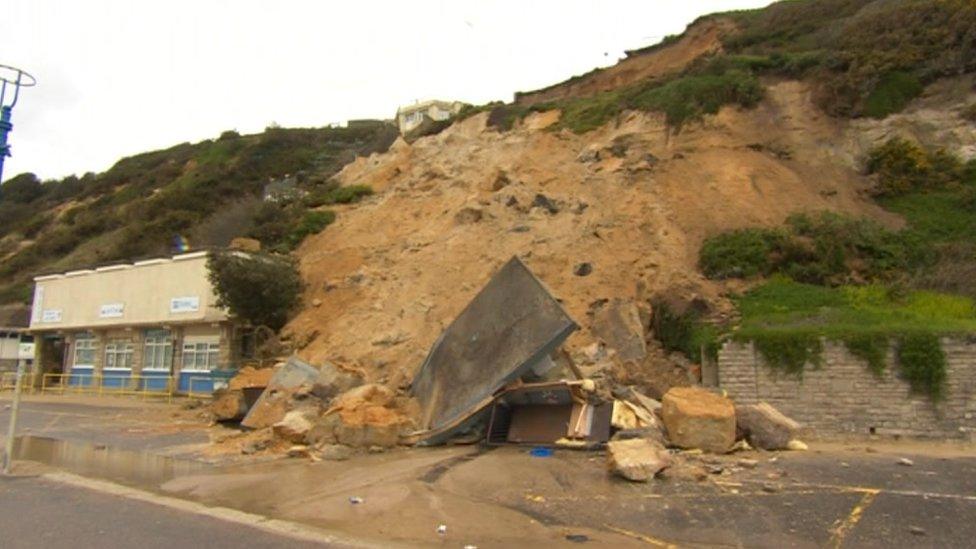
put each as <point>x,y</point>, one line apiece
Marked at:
<point>8,454</point>
<point>11,80</point>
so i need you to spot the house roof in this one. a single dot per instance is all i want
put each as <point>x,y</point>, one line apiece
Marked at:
<point>446,105</point>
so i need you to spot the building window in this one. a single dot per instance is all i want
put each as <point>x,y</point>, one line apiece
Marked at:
<point>414,117</point>
<point>158,354</point>
<point>84,351</point>
<point>118,355</point>
<point>200,356</point>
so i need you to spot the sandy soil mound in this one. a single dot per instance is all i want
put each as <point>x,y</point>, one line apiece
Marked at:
<point>632,200</point>
<point>701,39</point>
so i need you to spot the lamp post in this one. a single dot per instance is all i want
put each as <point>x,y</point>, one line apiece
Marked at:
<point>11,80</point>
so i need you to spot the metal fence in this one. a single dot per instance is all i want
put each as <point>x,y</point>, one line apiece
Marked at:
<point>95,384</point>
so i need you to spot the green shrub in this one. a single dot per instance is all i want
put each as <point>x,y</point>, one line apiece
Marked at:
<point>312,222</point>
<point>685,333</point>
<point>870,348</point>
<point>339,195</point>
<point>23,188</point>
<point>826,248</point>
<point>923,364</point>
<point>692,96</point>
<point>789,352</point>
<point>901,166</point>
<point>737,254</point>
<point>892,93</point>
<point>864,57</point>
<point>259,289</point>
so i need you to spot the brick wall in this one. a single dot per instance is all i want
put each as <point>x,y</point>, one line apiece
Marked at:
<point>844,397</point>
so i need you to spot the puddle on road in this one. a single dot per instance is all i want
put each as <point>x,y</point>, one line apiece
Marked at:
<point>130,467</point>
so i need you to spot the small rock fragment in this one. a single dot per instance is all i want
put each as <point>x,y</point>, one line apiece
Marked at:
<point>636,459</point>
<point>906,462</point>
<point>747,463</point>
<point>583,269</point>
<point>916,530</point>
<point>796,445</point>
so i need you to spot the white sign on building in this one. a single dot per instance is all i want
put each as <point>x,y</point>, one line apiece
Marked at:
<point>189,304</point>
<point>111,310</point>
<point>51,315</point>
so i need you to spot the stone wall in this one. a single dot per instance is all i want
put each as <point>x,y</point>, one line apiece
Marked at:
<point>843,396</point>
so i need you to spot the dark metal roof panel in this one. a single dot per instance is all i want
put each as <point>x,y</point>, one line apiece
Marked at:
<point>512,324</point>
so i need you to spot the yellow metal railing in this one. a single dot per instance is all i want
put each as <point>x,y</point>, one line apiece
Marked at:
<point>8,380</point>
<point>101,384</point>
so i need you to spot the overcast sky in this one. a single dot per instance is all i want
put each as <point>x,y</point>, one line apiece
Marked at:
<point>118,77</point>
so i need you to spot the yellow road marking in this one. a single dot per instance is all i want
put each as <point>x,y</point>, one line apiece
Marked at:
<point>646,539</point>
<point>852,519</point>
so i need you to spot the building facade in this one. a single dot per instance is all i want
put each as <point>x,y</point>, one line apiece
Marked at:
<point>147,325</point>
<point>411,117</point>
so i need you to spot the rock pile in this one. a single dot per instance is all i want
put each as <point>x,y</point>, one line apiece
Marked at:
<point>323,413</point>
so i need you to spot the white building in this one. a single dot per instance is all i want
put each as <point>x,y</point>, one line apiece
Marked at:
<point>411,117</point>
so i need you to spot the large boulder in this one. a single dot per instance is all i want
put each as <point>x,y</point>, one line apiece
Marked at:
<point>333,381</point>
<point>249,377</point>
<point>696,418</point>
<point>362,417</point>
<point>295,425</point>
<point>636,459</point>
<point>618,324</point>
<point>290,381</point>
<point>764,426</point>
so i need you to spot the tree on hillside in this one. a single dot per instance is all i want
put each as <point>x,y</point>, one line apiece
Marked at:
<point>23,188</point>
<point>259,289</point>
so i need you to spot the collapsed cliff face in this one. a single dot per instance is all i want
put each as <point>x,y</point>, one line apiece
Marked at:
<point>700,39</point>
<point>619,212</point>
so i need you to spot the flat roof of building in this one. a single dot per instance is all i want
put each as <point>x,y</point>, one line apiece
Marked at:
<point>121,266</point>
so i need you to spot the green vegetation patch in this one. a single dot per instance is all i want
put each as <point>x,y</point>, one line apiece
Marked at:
<point>339,195</point>
<point>923,364</point>
<point>685,332</point>
<point>787,319</point>
<point>892,94</point>
<point>826,248</point>
<point>681,99</point>
<point>865,57</point>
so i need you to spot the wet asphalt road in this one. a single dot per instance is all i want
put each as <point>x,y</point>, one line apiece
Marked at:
<point>37,513</point>
<point>838,498</point>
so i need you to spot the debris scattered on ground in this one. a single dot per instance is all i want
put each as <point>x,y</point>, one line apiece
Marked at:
<point>796,445</point>
<point>636,459</point>
<point>356,500</point>
<point>442,529</point>
<point>916,530</point>
<point>906,462</point>
<point>764,426</point>
<point>698,418</point>
<point>541,452</point>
